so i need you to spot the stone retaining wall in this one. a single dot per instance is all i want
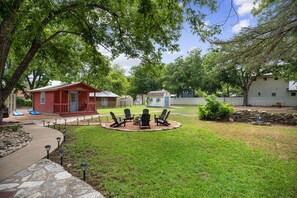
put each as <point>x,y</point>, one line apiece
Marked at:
<point>275,118</point>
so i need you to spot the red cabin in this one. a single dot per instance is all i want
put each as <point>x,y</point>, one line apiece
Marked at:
<point>65,100</point>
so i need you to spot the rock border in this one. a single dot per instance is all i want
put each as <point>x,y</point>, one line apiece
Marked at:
<point>170,127</point>
<point>11,141</point>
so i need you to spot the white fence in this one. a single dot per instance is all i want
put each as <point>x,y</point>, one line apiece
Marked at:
<point>254,101</point>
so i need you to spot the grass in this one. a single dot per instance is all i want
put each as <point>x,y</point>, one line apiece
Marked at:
<point>200,159</point>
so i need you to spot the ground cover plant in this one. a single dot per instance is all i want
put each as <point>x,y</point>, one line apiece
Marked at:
<point>202,158</point>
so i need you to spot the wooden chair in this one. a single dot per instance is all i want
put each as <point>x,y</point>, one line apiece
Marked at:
<point>162,116</point>
<point>164,121</point>
<point>145,121</point>
<point>128,115</point>
<point>117,122</point>
<point>145,111</point>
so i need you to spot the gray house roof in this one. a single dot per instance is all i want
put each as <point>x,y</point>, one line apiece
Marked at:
<point>104,94</point>
<point>157,93</point>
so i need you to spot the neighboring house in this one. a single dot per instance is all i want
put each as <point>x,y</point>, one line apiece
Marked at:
<point>269,91</point>
<point>124,101</point>
<point>65,100</point>
<point>141,99</point>
<point>158,98</point>
<point>187,94</point>
<point>105,99</point>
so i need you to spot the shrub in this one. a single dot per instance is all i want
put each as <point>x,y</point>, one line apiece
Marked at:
<point>213,109</point>
<point>23,103</point>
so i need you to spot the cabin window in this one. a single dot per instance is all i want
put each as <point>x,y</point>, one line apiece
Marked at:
<point>42,97</point>
<point>158,100</point>
<point>259,93</point>
<point>264,79</point>
<point>104,102</point>
<point>273,94</point>
<point>293,94</point>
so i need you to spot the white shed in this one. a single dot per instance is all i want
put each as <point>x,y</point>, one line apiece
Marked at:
<point>158,98</point>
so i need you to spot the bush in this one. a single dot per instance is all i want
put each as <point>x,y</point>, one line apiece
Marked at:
<point>23,103</point>
<point>213,109</point>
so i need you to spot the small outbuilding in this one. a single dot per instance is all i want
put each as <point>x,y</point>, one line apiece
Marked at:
<point>158,98</point>
<point>105,99</point>
<point>65,99</point>
<point>125,100</point>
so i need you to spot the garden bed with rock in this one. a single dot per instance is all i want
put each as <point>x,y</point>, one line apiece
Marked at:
<point>12,138</point>
<point>273,118</point>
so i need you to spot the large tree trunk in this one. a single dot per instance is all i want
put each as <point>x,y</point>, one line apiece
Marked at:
<point>245,98</point>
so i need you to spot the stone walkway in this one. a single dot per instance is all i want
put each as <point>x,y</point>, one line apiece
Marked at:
<point>46,179</point>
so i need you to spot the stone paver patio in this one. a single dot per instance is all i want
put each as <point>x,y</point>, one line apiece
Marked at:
<point>46,179</point>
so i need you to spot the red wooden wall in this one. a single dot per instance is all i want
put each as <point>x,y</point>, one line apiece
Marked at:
<point>49,102</point>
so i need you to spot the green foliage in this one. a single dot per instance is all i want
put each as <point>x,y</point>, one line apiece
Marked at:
<point>213,109</point>
<point>20,102</point>
<point>185,74</point>
<point>15,127</point>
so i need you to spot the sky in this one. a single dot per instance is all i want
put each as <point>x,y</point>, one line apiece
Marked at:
<point>188,41</point>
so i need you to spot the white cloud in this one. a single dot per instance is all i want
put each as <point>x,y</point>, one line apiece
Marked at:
<point>244,6</point>
<point>125,62</point>
<point>243,23</point>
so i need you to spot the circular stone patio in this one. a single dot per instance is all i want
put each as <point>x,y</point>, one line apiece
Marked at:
<point>130,126</point>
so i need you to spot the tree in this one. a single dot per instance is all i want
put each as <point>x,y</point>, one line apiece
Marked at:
<point>131,27</point>
<point>184,74</point>
<point>116,81</point>
<point>217,76</point>
<point>145,78</point>
<point>242,72</point>
<point>273,41</point>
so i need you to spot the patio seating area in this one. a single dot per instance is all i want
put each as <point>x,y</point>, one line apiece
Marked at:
<point>141,122</point>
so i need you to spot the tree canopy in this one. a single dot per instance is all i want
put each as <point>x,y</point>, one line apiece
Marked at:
<point>136,28</point>
<point>273,41</point>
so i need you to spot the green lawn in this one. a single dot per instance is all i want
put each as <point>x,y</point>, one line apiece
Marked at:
<point>200,159</point>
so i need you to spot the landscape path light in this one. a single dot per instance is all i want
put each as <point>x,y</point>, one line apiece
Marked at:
<point>84,167</point>
<point>47,148</point>
<point>58,140</point>
<point>61,153</point>
<point>64,133</point>
<point>48,123</point>
<point>65,121</point>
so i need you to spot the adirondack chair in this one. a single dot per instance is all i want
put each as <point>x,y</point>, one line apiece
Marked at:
<point>145,121</point>
<point>117,122</point>
<point>164,121</point>
<point>128,115</point>
<point>145,111</point>
<point>162,116</point>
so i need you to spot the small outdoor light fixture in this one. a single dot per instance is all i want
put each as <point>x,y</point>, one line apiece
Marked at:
<point>61,153</point>
<point>58,140</point>
<point>65,132</point>
<point>47,148</point>
<point>48,123</point>
<point>88,122</point>
<point>43,122</point>
<point>84,167</point>
<point>77,121</point>
<point>65,121</point>
<point>260,119</point>
<point>56,121</point>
